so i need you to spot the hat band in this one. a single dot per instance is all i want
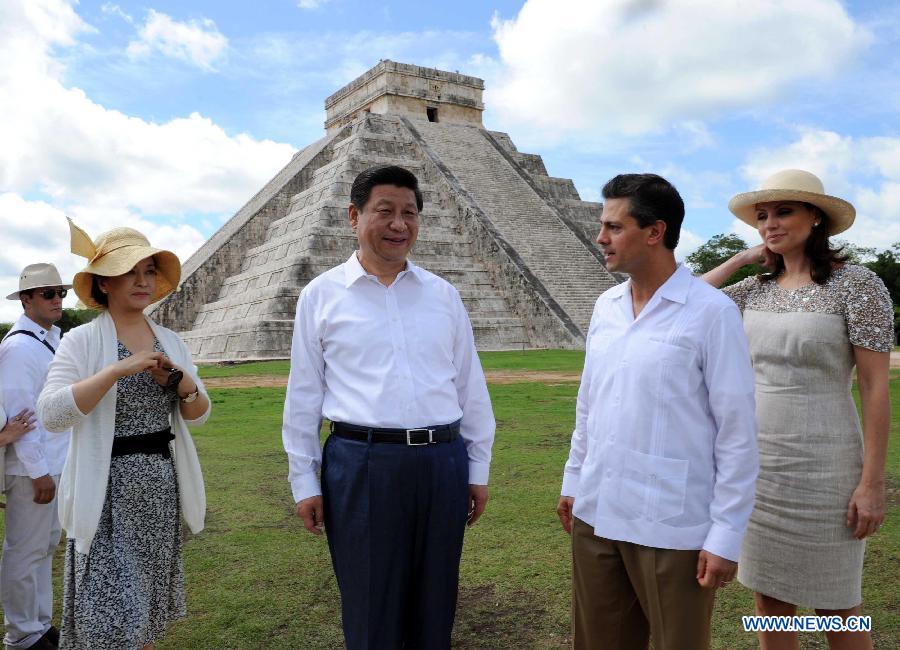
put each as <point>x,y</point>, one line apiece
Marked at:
<point>103,253</point>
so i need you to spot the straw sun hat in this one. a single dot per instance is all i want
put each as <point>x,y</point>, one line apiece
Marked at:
<point>116,252</point>
<point>794,185</point>
<point>35,276</point>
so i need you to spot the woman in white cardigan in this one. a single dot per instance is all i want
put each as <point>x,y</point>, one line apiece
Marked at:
<point>127,387</point>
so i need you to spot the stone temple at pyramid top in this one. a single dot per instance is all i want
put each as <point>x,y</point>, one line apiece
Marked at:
<point>517,243</point>
<point>409,90</point>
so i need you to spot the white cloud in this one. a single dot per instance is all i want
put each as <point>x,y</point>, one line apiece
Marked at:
<point>196,41</point>
<point>862,170</point>
<point>310,4</point>
<point>746,232</point>
<point>638,66</point>
<point>102,167</point>
<point>688,242</point>
<point>36,231</point>
<point>111,9</point>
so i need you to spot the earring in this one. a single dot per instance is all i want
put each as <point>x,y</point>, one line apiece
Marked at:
<point>816,223</point>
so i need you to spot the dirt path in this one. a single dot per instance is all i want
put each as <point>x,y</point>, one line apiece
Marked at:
<point>493,377</point>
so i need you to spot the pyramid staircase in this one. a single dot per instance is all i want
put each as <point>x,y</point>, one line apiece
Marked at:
<point>493,224</point>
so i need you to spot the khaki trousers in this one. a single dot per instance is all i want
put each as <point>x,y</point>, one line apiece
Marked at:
<point>625,593</point>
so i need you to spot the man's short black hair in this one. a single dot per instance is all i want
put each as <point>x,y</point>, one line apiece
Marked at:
<point>653,199</point>
<point>383,175</point>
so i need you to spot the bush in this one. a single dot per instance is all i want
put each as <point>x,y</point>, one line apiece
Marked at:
<point>75,317</point>
<point>70,318</point>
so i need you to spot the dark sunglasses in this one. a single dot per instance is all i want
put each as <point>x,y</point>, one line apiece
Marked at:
<point>47,294</point>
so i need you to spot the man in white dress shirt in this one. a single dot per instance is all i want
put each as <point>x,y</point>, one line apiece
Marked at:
<point>33,464</point>
<point>659,484</point>
<point>384,350</point>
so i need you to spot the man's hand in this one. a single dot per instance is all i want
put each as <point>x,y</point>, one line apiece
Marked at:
<point>478,498</point>
<point>44,489</point>
<point>312,512</point>
<point>564,510</point>
<point>714,571</point>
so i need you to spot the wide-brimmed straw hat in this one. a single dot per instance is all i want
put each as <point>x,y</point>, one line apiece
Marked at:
<point>116,252</point>
<point>35,276</point>
<point>794,185</point>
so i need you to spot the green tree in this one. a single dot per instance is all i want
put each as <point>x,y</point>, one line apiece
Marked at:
<point>717,250</point>
<point>855,254</point>
<point>886,266</point>
<point>75,317</point>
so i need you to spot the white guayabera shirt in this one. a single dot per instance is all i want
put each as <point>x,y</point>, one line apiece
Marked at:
<point>401,356</point>
<point>664,448</point>
<point>23,370</point>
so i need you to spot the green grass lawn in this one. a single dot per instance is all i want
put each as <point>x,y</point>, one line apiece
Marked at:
<point>257,579</point>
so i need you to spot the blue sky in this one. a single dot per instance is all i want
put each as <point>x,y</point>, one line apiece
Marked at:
<point>170,115</point>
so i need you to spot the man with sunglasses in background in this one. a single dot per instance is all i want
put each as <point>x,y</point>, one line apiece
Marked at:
<point>33,465</point>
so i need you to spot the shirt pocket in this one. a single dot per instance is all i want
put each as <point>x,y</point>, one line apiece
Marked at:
<point>675,373</point>
<point>649,487</point>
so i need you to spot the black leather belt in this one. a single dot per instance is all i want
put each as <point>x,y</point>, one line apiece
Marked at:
<point>412,437</point>
<point>144,443</point>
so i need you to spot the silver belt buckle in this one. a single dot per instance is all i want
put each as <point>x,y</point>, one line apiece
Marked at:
<point>410,443</point>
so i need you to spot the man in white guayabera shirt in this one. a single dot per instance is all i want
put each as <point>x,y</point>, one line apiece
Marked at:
<point>33,464</point>
<point>384,350</point>
<point>659,484</point>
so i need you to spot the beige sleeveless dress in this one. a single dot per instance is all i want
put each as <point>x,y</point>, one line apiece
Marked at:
<point>798,547</point>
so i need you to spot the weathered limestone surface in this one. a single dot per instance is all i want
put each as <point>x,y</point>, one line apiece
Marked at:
<point>513,240</point>
<point>402,89</point>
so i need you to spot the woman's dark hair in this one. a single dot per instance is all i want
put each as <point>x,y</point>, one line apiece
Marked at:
<point>822,257</point>
<point>98,296</point>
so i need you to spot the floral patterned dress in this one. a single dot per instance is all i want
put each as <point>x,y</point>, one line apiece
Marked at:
<point>798,547</point>
<point>123,593</point>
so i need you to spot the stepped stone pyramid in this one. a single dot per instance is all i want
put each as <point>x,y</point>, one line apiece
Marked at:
<point>517,243</point>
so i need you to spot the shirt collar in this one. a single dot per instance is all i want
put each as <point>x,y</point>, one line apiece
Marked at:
<point>25,323</point>
<point>353,271</point>
<point>675,288</point>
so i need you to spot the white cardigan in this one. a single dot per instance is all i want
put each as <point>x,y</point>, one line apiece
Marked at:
<point>83,352</point>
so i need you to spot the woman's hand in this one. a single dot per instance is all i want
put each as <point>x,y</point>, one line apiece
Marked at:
<point>758,254</point>
<point>17,427</point>
<point>865,512</point>
<point>163,373</point>
<point>136,363</point>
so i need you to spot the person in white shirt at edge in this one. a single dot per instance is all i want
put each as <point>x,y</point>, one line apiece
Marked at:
<point>33,464</point>
<point>385,351</point>
<point>659,484</point>
<point>128,388</point>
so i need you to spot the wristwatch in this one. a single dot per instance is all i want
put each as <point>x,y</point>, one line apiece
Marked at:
<point>190,397</point>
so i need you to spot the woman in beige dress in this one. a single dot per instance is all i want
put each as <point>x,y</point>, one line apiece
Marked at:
<point>809,321</point>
